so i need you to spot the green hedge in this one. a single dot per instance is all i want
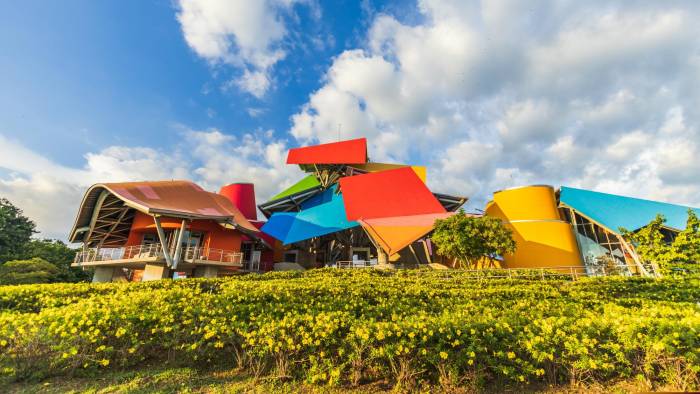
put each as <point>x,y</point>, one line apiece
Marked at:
<point>352,326</point>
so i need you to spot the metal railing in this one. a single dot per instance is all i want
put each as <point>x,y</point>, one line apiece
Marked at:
<point>155,251</point>
<point>574,272</point>
<point>353,264</point>
<point>212,254</point>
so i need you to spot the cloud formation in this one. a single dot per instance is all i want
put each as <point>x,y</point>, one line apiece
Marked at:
<point>245,34</point>
<point>500,93</point>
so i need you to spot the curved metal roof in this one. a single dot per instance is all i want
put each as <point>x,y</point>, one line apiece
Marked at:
<point>176,198</point>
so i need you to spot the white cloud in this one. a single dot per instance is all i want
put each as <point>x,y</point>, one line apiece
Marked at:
<point>245,34</point>
<point>495,93</point>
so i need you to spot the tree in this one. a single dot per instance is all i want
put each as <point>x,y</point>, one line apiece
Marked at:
<point>651,246</point>
<point>15,231</point>
<point>472,240</point>
<point>686,246</point>
<point>649,242</point>
<point>59,254</point>
<point>36,270</point>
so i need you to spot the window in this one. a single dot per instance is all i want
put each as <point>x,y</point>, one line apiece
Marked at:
<point>149,238</point>
<point>246,249</point>
<point>359,254</point>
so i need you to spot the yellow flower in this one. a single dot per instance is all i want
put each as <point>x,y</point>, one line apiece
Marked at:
<point>104,362</point>
<point>443,355</point>
<point>511,355</point>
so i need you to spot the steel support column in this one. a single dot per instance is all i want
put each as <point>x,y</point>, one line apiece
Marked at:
<point>163,244</point>
<point>178,247</point>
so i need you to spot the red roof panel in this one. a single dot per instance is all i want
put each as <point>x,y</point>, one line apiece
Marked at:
<point>343,152</point>
<point>382,194</point>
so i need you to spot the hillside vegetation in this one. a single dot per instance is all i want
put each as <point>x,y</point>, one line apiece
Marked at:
<point>441,329</point>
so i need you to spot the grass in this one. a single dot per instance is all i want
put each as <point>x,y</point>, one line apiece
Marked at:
<point>174,380</point>
<point>156,379</point>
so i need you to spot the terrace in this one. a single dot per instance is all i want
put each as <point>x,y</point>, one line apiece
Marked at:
<point>138,255</point>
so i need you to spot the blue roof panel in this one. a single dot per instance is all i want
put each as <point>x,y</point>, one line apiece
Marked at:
<point>613,211</point>
<point>322,214</point>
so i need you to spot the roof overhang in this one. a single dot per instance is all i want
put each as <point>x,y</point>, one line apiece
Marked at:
<point>112,207</point>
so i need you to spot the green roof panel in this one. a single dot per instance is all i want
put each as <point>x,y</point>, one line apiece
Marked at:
<point>308,182</point>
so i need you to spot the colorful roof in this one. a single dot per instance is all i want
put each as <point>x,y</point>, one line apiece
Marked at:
<point>343,152</point>
<point>395,233</point>
<point>308,182</point>
<point>613,211</point>
<point>398,192</point>
<point>320,215</point>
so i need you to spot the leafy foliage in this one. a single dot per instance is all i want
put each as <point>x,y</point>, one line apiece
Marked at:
<point>651,245</point>
<point>59,254</point>
<point>35,270</point>
<point>330,327</point>
<point>15,231</point>
<point>686,246</point>
<point>473,241</point>
<point>16,244</point>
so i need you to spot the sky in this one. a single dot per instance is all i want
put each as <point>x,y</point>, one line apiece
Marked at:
<point>490,94</point>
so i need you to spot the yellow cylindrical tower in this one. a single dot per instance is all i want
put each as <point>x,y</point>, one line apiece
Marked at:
<point>542,238</point>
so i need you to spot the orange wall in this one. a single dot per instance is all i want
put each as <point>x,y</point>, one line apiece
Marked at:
<point>216,236</point>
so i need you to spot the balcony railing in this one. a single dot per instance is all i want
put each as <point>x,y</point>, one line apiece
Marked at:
<point>154,252</point>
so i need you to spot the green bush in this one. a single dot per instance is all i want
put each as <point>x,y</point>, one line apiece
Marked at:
<point>35,270</point>
<point>347,327</point>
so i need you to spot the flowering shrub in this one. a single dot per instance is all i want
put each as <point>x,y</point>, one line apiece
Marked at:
<point>352,326</point>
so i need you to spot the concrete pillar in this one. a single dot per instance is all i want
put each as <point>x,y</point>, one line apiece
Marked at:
<point>102,274</point>
<point>119,276</point>
<point>155,272</point>
<point>206,271</point>
<point>381,257</point>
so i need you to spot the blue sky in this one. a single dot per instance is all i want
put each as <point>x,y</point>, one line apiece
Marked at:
<point>491,94</point>
<point>93,74</point>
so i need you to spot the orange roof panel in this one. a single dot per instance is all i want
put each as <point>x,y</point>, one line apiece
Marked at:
<point>395,233</point>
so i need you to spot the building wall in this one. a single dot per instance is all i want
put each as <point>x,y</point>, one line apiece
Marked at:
<point>216,236</point>
<point>543,239</point>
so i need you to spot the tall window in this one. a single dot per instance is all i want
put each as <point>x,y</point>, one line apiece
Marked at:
<point>246,249</point>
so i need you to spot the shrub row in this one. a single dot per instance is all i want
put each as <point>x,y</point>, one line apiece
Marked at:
<point>348,327</point>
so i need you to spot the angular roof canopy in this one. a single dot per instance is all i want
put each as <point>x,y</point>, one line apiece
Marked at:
<point>343,152</point>
<point>306,183</point>
<point>178,199</point>
<point>376,167</point>
<point>395,233</point>
<point>398,192</point>
<point>291,199</point>
<point>322,214</point>
<point>613,211</point>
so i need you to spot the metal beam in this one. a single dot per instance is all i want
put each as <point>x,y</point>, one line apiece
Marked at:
<point>178,247</point>
<point>427,253</point>
<point>415,256</point>
<point>161,236</point>
<point>114,225</point>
